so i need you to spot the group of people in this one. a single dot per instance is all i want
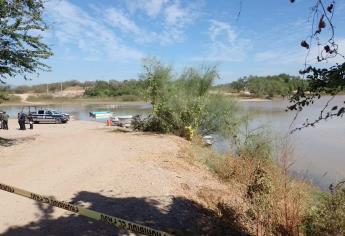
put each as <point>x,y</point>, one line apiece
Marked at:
<point>22,118</point>
<point>3,120</point>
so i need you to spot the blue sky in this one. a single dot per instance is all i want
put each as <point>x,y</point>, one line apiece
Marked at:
<point>107,39</point>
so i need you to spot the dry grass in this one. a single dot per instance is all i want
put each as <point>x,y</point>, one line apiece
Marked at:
<point>268,201</point>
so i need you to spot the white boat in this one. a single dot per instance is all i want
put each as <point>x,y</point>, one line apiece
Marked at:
<point>208,140</point>
<point>100,114</point>
<point>122,121</point>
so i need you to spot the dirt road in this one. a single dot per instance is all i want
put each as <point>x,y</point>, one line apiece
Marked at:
<point>142,178</point>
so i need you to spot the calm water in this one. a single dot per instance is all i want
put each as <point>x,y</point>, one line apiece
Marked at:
<point>318,152</point>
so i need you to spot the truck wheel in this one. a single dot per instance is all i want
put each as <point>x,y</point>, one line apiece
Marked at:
<point>58,121</point>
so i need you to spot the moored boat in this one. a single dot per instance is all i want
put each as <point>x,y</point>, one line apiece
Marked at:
<point>100,114</point>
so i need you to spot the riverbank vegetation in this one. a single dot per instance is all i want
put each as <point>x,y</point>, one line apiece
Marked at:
<point>282,85</point>
<point>269,201</point>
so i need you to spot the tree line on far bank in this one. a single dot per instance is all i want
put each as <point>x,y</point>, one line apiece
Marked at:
<point>265,86</point>
<point>257,86</point>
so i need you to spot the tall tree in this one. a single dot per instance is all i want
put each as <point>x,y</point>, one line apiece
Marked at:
<point>21,45</point>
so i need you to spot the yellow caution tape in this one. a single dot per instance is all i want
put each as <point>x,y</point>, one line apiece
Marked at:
<point>117,222</point>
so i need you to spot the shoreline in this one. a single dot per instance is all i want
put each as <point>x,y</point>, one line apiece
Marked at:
<point>86,101</point>
<point>73,102</point>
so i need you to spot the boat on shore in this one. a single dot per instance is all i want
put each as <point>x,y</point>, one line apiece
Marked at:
<point>122,121</point>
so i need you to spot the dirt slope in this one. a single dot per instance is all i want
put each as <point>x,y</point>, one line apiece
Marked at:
<point>139,177</point>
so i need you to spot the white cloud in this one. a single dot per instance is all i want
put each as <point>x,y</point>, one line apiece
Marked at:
<point>217,28</point>
<point>225,44</point>
<point>73,26</point>
<point>109,33</point>
<point>152,8</point>
<point>173,17</point>
<point>175,14</point>
<point>120,20</point>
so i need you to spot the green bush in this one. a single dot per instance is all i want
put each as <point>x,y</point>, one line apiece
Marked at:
<point>328,216</point>
<point>182,105</point>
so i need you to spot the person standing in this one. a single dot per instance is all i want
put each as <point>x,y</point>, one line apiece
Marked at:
<point>5,117</point>
<point>1,114</point>
<point>18,118</point>
<point>21,121</point>
<point>31,121</point>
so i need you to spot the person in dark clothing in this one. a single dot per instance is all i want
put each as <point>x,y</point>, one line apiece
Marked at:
<point>1,114</point>
<point>21,121</point>
<point>31,121</point>
<point>5,117</point>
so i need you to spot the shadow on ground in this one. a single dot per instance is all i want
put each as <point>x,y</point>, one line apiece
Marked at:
<point>4,142</point>
<point>183,217</point>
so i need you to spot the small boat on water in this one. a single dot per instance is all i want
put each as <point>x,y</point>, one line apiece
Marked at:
<point>100,114</point>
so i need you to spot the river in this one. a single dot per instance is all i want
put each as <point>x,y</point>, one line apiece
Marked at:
<point>318,153</point>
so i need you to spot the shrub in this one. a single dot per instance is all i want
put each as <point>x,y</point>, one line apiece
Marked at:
<point>183,105</point>
<point>327,217</point>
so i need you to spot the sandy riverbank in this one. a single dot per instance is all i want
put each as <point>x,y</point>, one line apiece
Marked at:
<point>140,177</point>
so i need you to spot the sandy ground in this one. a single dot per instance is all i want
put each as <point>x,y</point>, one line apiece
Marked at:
<point>140,177</point>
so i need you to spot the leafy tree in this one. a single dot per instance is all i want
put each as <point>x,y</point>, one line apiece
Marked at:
<point>21,46</point>
<point>157,78</point>
<point>115,88</point>
<point>239,85</point>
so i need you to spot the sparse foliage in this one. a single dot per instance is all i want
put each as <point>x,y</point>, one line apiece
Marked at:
<point>322,80</point>
<point>328,216</point>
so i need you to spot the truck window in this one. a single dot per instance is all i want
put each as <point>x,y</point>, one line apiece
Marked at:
<point>49,112</point>
<point>41,112</point>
